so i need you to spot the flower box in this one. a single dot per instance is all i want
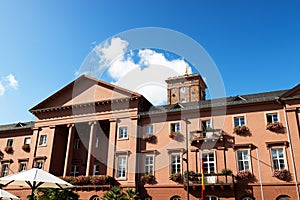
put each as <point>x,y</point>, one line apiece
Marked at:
<point>148,178</point>
<point>284,174</point>
<point>173,135</point>
<point>176,177</point>
<point>244,175</point>
<point>240,130</point>
<point>226,172</point>
<point>150,138</point>
<point>275,126</point>
<point>9,149</point>
<point>26,147</point>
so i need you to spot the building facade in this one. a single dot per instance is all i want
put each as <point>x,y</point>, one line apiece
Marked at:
<point>242,147</point>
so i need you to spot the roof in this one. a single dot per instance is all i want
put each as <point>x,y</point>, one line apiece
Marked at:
<point>232,100</point>
<point>77,82</point>
<point>17,126</point>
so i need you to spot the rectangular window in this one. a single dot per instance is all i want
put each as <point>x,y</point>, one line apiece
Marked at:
<point>22,167</point>
<point>149,164</point>
<point>27,140</point>
<point>4,170</point>
<point>272,117</point>
<point>77,144</point>
<point>243,160</point>
<point>9,142</point>
<point>175,163</point>
<point>74,170</point>
<point>97,142</point>
<point>206,124</point>
<point>149,130</point>
<point>239,121</point>
<point>122,166</point>
<point>96,170</point>
<point>209,163</point>
<point>39,164</point>
<point>278,159</point>
<point>123,133</point>
<point>175,127</point>
<point>43,140</point>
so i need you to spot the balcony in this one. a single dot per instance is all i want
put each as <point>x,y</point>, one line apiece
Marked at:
<point>206,135</point>
<point>215,180</point>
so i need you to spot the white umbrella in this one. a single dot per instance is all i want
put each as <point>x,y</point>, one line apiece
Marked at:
<point>6,195</point>
<point>35,178</point>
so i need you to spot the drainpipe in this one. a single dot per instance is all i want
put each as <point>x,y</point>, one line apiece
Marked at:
<point>259,174</point>
<point>291,145</point>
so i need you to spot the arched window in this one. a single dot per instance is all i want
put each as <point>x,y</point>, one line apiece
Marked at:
<point>283,197</point>
<point>175,198</point>
<point>95,197</point>
<point>247,198</point>
<point>211,198</point>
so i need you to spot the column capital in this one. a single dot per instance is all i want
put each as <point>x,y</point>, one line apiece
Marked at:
<point>92,123</point>
<point>113,120</point>
<point>52,126</point>
<point>70,125</point>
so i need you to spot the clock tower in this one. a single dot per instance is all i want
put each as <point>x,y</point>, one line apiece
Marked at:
<point>186,88</point>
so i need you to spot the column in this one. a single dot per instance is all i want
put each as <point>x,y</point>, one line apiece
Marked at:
<point>112,147</point>
<point>70,138</point>
<point>89,156</point>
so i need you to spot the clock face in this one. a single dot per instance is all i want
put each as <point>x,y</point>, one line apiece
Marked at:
<point>182,90</point>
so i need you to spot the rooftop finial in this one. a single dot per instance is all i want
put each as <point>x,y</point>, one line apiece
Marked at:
<point>186,70</point>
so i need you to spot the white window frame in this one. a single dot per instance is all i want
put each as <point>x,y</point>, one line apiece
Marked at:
<point>148,166</point>
<point>207,122</point>
<point>74,170</point>
<point>209,162</point>
<point>122,167</point>
<point>43,140</point>
<point>27,140</point>
<point>239,117</point>
<point>97,142</point>
<point>4,169</point>
<point>176,163</point>
<point>272,114</point>
<point>243,160</point>
<point>177,127</point>
<point>21,166</point>
<point>77,144</point>
<point>123,136</point>
<point>284,158</point>
<point>95,170</point>
<point>38,163</point>
<point>210,197</point>
<point>10,142</point>
<point>149,127</point>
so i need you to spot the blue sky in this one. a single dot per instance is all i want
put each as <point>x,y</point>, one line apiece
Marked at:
<point>255,44</point>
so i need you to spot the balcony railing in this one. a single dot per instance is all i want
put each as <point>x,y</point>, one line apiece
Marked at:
<point>211,134</point>
<point>216,179</point>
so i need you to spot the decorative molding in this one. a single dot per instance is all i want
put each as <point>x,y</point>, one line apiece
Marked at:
<point>277,143</point>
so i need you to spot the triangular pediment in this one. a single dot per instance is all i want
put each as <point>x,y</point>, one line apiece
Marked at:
<point>83,90</point>
<point>294,92</point>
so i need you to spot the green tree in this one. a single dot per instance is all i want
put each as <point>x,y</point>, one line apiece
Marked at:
<point>56,194</point>
<point>116,193</point>
<point>132,194</point>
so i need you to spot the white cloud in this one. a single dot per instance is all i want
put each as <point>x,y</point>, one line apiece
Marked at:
<point>148,80</point>
<point>12,82</point>
<point>2,89</point>
<point>144,71</point>
<point>110,50</point>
